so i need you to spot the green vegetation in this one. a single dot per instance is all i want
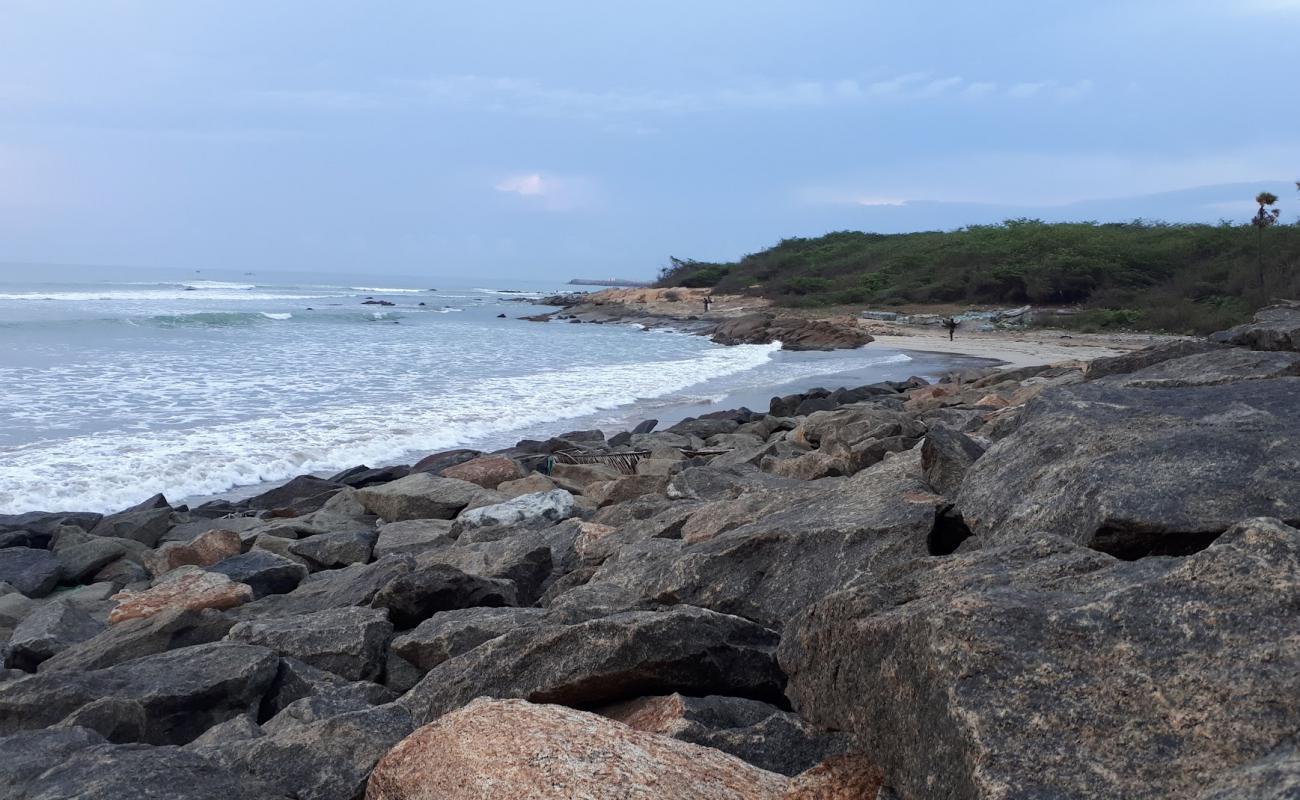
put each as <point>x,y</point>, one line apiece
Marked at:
<point>1143,275</point>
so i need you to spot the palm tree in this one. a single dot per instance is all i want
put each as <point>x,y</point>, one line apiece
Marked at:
<point>1263,218</point>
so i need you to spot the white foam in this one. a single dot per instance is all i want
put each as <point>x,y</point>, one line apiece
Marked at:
<point>159,294</point>
<point>269,315</point>
<point>105,471</point>
<point>197,285</point>
<point>384,290</point>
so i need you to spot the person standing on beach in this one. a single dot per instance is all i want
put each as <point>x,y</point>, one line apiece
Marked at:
<point>951,324</point>
<point>708,300</point>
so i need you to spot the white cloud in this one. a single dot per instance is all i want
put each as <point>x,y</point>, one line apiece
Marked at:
<point>526,185</point>
<point>551,192</point>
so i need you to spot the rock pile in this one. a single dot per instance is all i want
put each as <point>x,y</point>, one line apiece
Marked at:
<point>1078,580</point>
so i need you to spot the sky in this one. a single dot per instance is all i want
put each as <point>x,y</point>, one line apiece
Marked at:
<point>596,139</point>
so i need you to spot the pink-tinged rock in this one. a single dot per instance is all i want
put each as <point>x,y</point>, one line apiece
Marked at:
<point>203,550</point>
<point>846,777</point>
<point>486,471</point>
<point>495,749</point>
<point>590,535</point>
<point>185,587</point>
<point>532,483</point>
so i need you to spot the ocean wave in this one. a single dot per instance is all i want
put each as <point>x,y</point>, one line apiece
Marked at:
<point>385,290</point>
<point>199,285</point>
<point>159,294</point>
<point>111,470</point>
<point>270,315</point>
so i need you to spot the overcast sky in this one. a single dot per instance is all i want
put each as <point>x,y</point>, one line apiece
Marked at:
<point>551,139</point>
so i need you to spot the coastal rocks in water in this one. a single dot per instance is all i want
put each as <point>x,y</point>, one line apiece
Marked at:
<point>92,768</point>
<point>794,333</point>
<point>756,732</point>
<point>203,550</point>
<point>1276,328</point>
<point>185,587</point>
<point>945,456</point>
<point>136,638</point>
<point>262,571</point>
<point>511,748</point>
<point>327,759</point>
<point>362,476</point>
<point>33,572</point>
<point>302,495</point>
<point>526,511</point>
<point>608,659</point>
<point>1045,669</point>
<point>413,536</point>
<point>1140,471</point>
<point>349,642</point>
<point>48,630</point>
<point>437,462</point>
<point>183,692</point>
<point>486,471</point>
<point>450,633</point>
<point>416,596</point>
<point>332,550</point>
<point>144,523</point>
<point>424,496</point>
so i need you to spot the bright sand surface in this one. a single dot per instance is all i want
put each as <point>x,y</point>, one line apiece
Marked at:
<point>1021,349</point>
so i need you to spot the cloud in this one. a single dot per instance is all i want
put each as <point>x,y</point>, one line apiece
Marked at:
<point>551,192</point>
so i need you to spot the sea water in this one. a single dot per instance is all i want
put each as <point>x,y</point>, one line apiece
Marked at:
<point>112,390</point>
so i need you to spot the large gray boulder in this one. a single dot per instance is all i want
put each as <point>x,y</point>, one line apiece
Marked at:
<point>531,559</point>
<point>1148,356</point>
<point>328,759</point>
<point>350,586</point>
<point>136,772</point>
<point>780,555</point>
<point>350,642</point>
<point>414,597</point>
<point>81,561</point>
<point>144,523</point>
<point>263,571</point>
<point>50,629</point>
<point>117,720</point>
<point>424,496</point>
<point>451,633</point>
<point>754,731</point>
<point>1276,328</point>
<point>136,638</point>
<point>605,660</point>
<point>945,456</point>
<point>1223,365</point>
<point>530,511</point>
<point>183,692</point>
<point>1044,669</point>
<point>300,686</point>
<point>413,536</point>
<point>333,550</point>
<point>33,572</point>
<point>1140,471</point>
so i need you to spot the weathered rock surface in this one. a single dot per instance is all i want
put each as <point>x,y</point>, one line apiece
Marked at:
<point>945,457</point>
<point>526,511</point>
<point>47,631</point>
<point>203,550</point>
<point>262,571</point>
<point>186,587</point>
<point>794,333</point>
<point>1276,328</point>
<point>327,759</point>
<point>350,586</point>
<point>486,471</point>
<point>756,732</point>
<point>1223,365</point>
<point>1146,357</point>
<point>135,638</point>
<point>81,561</point>
<point>451,633</point>
<point>416,596</point>
<point>183,692</point>
<point>608,659</point>
<point>333,550</point>
<point>1140,471</point>
<point>413,536</point>
<point>350,642</point>
<point>35,573</point>
<point>532,483</point>
<point>423,496</point>
<point>303,494</point>
<point>117,720</point>
<point>1045,669</point>
<point>301,692</point>
<point>531,559</point>
<point>76,763</point>
<point>510,748</point>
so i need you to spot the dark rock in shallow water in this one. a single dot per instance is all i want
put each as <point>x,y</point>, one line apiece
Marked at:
<point>437,462</point>
<point>412,598</point>
<point>1134,472</point>
<point>144,523</point>
<point>606,660</point>
<point>362,476</point>
<point>46,522</point>
<point>136,638</point>
<point>134,772</point>
<point>1045,669</point>
<point>350,642</point>
<point>303,494</point>
<point>331,550</point>
<point>756,732</point>
<point>35,573</point>
<point>266,572</point>
<point>50,629</point>
<point>645,426</point>
<point>183,692</point>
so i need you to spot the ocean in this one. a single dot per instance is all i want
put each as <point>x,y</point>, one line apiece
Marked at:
<point>112,390</point>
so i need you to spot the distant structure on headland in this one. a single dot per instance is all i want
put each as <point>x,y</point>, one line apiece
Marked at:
<point>606,282</point>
